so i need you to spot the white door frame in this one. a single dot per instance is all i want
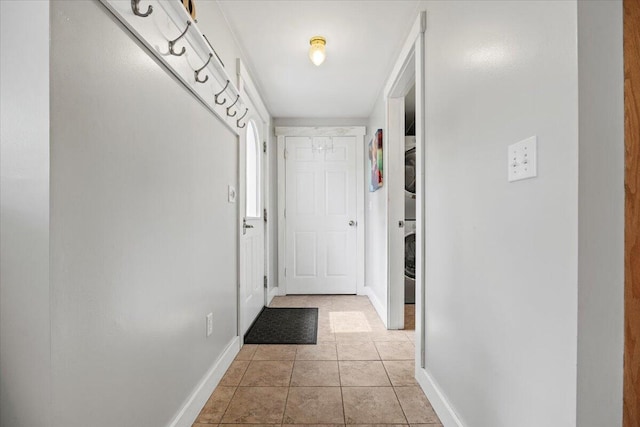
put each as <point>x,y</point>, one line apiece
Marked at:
<point>414,48</point>
<point>408,70</point>
<point>359,132</point>
<point>258,113</point>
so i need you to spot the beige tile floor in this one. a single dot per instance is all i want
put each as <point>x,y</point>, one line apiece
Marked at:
<point>359,373</point>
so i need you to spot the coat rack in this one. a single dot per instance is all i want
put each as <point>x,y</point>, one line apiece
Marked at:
<point>168,31</point>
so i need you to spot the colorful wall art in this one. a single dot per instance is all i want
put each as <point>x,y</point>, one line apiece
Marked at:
<point>375,161</point>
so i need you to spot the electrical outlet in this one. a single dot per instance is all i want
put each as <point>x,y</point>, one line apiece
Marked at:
<point>209,324</point>
<point>522,159</point>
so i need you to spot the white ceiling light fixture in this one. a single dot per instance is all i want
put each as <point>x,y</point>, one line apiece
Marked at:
<point>317,51</point>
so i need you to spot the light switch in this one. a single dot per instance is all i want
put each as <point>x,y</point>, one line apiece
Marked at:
<point>522,159</point>
<point>209,324</point>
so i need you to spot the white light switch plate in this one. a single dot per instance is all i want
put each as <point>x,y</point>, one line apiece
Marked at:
<point>231,194</point>
<point>209,324</point>
<point>522,159</point>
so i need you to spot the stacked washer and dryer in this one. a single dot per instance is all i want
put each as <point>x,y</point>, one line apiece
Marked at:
<point>410,220</point>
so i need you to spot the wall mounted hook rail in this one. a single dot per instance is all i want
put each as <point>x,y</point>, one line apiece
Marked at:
<point>170,34</point>
<point>215,99</point>
<point>173,42</point>
<point>135,6</point>
<point>246,110</point>
<point>229,107</point>
<point>197,72</point>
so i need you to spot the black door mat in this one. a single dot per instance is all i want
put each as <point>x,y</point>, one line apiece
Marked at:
<point>284,326</point>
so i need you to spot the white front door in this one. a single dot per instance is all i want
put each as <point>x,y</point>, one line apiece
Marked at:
<point>320,215</point>
<point>252,226</point>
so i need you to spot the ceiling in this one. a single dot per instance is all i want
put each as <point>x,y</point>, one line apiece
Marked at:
<point>363,40</point>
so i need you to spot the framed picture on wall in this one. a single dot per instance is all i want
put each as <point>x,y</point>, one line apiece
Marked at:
<point>375,161</point>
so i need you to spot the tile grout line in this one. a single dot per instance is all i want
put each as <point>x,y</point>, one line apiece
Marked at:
<point>387,372</point>
<point>234,391</point>
<point>344,411</point>
<point>226,408</point>
<point>400,404</point>
<point>286,400</point>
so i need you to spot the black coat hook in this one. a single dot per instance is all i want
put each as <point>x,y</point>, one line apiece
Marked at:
<point>229,107</point>
<point>200,69</point>
<point>220,93</point>
<point>246,110</point>
<point>136,11</point>
<point>173,42</point>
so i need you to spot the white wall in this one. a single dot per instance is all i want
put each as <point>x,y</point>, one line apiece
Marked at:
<point>501,258</point>
<point>213,24</point>
<point>143,241</point>
<point>25,369</point>
<point>375,208</point>
<point>601,214</point>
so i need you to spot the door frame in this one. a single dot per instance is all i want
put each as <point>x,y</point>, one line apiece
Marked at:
<point>260,115</point>
<point>631,388</point>
<point>281,133</point>
<point>407,71</point>
<point>394,177</point>
<point>414,47</point>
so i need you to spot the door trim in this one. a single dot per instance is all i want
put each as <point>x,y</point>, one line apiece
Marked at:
<point>415,45</point>
<point>407,71</point>
<point>631,389</point>
<point>359,132</point>
<point>260,115</point>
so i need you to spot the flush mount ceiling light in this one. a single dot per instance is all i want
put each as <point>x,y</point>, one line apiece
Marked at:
<point>317,51</point>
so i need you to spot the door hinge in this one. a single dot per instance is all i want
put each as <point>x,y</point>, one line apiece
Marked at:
<point>285,272</point>
<point>285,212</point>
<point>264,146</point>
<point>264,214</point>
<point>265,282</point>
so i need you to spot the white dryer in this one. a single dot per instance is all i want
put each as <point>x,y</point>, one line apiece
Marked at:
<point>410,177</point>
<point>410,262</point>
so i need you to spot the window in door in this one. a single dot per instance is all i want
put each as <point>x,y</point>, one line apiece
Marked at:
<point>253,172</point>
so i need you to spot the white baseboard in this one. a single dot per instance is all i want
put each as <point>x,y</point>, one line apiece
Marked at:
<point>381,309</point>
<point>192,407</point>
<point>272,293</point>
<point>440,404</point>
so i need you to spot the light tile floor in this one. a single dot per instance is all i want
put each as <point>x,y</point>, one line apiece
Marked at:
<point>359,373</point>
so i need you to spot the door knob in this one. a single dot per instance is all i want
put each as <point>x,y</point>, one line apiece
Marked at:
<point>352,223</point>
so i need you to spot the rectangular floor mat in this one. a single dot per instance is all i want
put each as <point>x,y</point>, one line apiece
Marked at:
<point>284,326</point>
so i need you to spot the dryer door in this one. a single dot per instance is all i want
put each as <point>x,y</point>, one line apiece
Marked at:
<point>410,170</point>
<point>410,268</point>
